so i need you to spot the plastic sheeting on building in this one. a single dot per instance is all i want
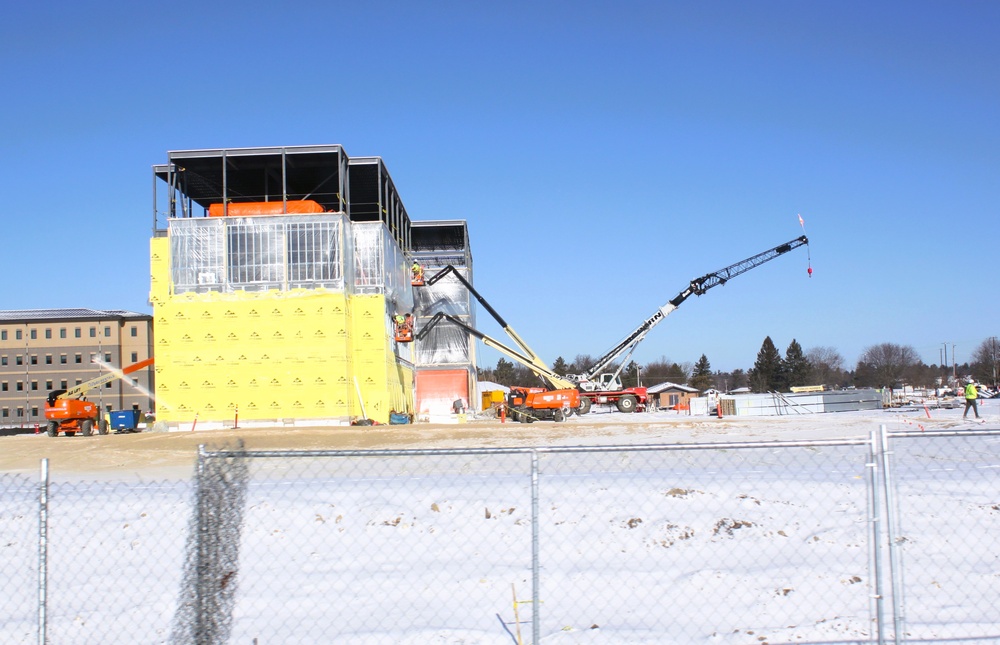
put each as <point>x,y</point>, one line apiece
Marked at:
<point>380,266</point>
<point>260,253</point>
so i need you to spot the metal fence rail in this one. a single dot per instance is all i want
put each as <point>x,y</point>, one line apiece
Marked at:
<point>890,539</point>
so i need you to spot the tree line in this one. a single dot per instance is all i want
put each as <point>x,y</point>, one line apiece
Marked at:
<point>881,365</point>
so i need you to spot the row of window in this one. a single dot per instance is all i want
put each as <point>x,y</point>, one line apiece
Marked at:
<point>19,386</point>
<point>77,333</point>
<point>63,358</point>
<point>19,412</point>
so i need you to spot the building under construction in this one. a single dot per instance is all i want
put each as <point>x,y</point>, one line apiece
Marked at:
<point>275,277</point>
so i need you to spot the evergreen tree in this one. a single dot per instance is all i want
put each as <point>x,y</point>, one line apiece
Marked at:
<point>630,375</point>
<point>663,369</point>
<point>765,375</point>
<point>737,379</point>
<point>796,368</point>
<point>504,372</point>
<point>560,367</point>
<point>701,376</point>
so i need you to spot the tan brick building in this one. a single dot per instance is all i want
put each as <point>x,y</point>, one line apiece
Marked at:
<point>51,349</point>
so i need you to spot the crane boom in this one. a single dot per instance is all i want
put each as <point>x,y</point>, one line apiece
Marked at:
<point>698,287</point>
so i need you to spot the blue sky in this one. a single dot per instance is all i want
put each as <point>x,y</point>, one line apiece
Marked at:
<point>603,154</point>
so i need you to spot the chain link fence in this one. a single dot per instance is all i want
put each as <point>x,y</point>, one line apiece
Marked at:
<point>944,495</point>
<point>885,540</point>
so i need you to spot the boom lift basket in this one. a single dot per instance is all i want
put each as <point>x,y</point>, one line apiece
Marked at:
<point>403,328</point>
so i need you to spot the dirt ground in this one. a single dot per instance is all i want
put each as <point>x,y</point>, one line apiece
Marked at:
<point>173,454</point>
<point>159,451</point>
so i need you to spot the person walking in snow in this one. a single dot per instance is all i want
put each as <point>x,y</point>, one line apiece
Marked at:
<point>971,394</point>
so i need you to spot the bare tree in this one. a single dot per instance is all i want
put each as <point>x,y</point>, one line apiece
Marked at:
<point>663,369</point>
<point>581,363</point>
<point>986,361</point>
<point>827,365</point>
<point>886,364</point>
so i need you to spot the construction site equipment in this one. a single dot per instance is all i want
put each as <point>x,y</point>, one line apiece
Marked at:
<point>562,400</point>
<point>594,380</point>
<point>529,404</point>
<point>125,420</point>
<point>595,386</point>
<point>403,328</point>
<point>525,404</point>
<point>69,411</point>
<point>492,398</point>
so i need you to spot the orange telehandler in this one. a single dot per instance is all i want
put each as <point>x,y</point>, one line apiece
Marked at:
<point>68,411</point>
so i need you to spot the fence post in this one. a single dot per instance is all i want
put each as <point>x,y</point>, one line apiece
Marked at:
<point>536,627</point>
<point>201,559</point>
<point>876,534</point>
<point>43,552</point>
<point>895,566</point>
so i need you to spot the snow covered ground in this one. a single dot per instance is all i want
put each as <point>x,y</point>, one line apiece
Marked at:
<point>704,544</point>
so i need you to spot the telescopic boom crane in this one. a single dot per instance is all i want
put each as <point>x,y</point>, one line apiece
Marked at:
<point>697,287</point>
<point>594,386</point>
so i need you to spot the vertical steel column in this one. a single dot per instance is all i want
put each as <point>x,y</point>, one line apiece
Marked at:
<point>283,236</point>
<point>225,185</point>
<point>171,189</point>
<point>43,552</point>
<point>876,535</point>
<point>154,203</point>
<point>284,182</point>
<point>536,627</point>
<point>895,565</point>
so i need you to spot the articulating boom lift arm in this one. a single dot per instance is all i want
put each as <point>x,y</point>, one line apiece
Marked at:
<point>697,287</point>
<point>535,365</point>
<point>530,359</point>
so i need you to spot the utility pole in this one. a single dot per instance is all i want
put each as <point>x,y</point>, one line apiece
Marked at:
<point>993,359</point>
<point>954,363</point>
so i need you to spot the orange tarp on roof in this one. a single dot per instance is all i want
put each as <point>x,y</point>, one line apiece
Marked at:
<point>248,209</point>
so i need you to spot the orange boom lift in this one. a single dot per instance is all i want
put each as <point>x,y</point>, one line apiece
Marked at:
<point>68,411</point>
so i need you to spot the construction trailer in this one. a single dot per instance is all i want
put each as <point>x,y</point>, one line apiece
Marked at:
<point>275,275</point>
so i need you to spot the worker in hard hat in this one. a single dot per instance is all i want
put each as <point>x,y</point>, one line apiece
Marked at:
<point>971,394</point>
<point>417,273</point>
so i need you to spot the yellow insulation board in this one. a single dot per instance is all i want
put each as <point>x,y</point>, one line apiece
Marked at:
<point>297,355</point>
<point>277,355</point>
<point>159,269</point>
<point>385,384</point>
